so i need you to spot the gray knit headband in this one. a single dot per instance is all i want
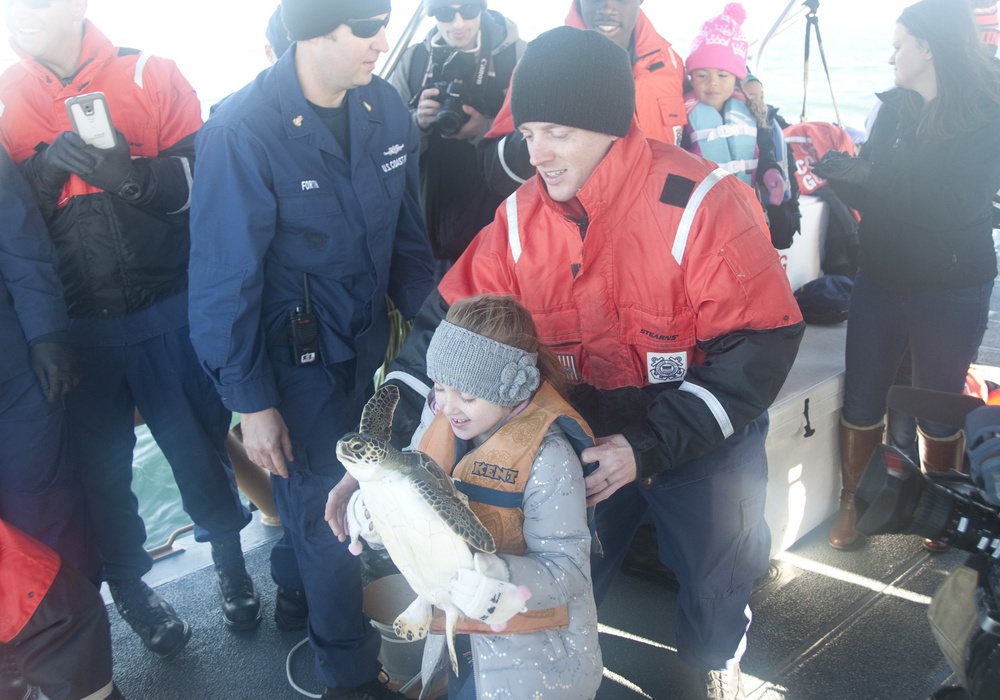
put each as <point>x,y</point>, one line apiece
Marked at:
<point>482,367</point>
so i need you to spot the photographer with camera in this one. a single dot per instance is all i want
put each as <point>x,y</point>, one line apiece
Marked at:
<point>959,510</point>
<point>455,82</point>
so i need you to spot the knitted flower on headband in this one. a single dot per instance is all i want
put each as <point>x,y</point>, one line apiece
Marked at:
<point>480,366</point>
<point>721,43</point>
<point>518,378</point>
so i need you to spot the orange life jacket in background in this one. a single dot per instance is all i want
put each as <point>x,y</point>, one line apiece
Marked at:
<point>809,141</point>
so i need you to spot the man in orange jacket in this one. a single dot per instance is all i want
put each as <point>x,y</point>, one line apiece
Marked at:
<point>650,275</point>
<point>658,72</point>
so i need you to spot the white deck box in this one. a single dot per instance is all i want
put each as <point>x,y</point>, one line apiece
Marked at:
<point>802,446</point>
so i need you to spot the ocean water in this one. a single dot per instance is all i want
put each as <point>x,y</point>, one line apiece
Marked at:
<point>219,47</point>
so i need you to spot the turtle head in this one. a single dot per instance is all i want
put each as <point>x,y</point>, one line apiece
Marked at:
<point>362,455</point>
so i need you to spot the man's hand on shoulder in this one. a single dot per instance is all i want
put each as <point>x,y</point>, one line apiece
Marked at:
<point>616,467</point>
<point>265,437</point>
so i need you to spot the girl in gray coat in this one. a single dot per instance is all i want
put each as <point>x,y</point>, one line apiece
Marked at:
<point>499,424</point>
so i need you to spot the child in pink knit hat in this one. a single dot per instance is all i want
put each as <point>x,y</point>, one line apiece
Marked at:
<point>721,43</point>
<point>721,126</point>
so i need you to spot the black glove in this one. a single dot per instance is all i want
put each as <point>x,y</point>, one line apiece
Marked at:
<point>63,156</point>
<point>57,367</point>
<point>847,175</point>
<point>112,167</point>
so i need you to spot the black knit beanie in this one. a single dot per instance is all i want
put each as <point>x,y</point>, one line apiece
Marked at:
<point>431,5</point>
<point>307,19</point>
<point>577,78</point>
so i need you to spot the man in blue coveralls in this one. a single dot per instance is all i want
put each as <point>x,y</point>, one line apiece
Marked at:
<point>39,489</point>
<point>305,214</point>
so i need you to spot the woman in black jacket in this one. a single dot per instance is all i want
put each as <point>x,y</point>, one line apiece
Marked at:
<point>924,185</point>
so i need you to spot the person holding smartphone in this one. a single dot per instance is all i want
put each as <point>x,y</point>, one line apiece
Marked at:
<point>119,222</point>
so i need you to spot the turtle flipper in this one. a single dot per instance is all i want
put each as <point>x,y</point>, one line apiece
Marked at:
<point>414,622</point>
<point>435,472</point>
<point>456,515</point>
<point>376,419</point>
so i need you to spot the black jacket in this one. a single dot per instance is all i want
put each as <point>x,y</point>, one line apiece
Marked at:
<point>926,220</point>
<point>457,202</point>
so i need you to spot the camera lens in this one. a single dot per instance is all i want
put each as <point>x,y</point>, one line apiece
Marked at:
<point>449,123</point>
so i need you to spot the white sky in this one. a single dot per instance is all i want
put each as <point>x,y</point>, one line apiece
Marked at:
<point>218,44</point>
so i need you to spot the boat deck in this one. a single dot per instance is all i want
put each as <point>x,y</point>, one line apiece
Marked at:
<point>827,624</point>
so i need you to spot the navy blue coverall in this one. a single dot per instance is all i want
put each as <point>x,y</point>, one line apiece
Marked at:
<point>39,489</point>
<point>275,199</point>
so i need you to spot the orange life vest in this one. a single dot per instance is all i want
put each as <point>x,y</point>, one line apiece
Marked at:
<point>809,141</point>
<point>494,477</point>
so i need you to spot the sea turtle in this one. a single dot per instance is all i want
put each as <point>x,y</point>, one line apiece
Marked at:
<point>429,531</point>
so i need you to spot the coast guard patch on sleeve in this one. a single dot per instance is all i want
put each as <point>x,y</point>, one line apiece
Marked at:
<point>665,367</point>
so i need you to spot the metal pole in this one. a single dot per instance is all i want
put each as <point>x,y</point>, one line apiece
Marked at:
<point>805,66</point>
<point>403,43</point>
<point>822,55</point>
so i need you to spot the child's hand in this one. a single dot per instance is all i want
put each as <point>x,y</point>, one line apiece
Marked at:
<point>486,594</point>
<point>775,185</point>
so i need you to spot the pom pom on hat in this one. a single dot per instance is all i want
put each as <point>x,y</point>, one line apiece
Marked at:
<point>721,43</point>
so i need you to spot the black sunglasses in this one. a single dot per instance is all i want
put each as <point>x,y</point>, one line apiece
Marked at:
<point>367,28</point>
<point>447,14</point>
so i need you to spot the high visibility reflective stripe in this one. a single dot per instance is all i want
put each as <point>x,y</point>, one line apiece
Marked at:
<point>139,65</point>
<point>186,164</point>
<point>714,405</point>
<point>687,218</point>
<point>503,162</point>
<point>513,234</point>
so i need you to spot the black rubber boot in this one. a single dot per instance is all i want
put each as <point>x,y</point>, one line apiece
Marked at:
<point>291,611</point>
<point>152,618</point>
<point>240,601</point>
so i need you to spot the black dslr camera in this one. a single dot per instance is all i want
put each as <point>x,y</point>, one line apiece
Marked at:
<point>894,496</point>
<point>459,81</point>
<point>451,117</point>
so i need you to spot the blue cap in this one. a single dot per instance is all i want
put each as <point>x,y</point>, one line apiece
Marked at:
<point>276,34</point>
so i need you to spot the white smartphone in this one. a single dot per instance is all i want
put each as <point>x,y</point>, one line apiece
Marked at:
<point>88,113</point>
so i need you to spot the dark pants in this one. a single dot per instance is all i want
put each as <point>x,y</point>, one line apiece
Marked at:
<point>943,330</point>
<point>315,406</point>
<point>185,415</point>
<point>40,491</point>
<point>709,518</point>
<point>65,648</point>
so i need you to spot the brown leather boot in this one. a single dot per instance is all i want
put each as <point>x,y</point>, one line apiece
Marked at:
<point>856,447</point>
<point>940,455</point>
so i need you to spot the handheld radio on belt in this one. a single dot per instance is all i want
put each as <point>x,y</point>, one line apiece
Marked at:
<point>303,332</point>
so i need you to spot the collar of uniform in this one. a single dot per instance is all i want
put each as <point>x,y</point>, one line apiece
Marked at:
<point>629,157</point>
<point>298,117</point>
